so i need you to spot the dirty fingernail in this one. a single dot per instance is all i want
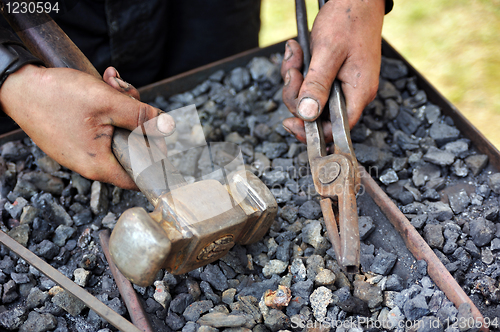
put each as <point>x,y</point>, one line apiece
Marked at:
<point>165,124</point>
<point>288,52</point>
<point>117,74</point>
<point>308,108</point>
<point>122,84</point>
<point>287,77</point>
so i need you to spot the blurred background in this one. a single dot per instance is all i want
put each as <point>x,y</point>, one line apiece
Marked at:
<point>455,44</point>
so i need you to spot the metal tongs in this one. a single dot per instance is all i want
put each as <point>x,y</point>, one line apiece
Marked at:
<point>335,176</point>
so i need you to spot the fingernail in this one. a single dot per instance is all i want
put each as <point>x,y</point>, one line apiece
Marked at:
<point>288,52</point>
<point>117,74</point>
<point>165,124</point>
<point>122,83</point>
<point>288,130</point>
<point>308,108</point>
<point>287,77</point>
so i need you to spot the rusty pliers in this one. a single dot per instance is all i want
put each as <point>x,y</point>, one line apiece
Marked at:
<point>336,176</point>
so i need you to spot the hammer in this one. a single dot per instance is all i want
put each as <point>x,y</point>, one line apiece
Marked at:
<point>192,224</point>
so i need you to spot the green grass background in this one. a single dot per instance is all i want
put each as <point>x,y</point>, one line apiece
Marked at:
<point>455,44</point>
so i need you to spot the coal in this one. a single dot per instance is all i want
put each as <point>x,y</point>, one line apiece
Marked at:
<point>417,151</point>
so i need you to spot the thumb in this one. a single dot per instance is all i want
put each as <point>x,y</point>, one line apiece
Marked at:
<point>131,114</point>
<point>315,90</point>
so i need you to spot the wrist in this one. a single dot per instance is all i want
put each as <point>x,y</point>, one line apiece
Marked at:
<point>15,85</point>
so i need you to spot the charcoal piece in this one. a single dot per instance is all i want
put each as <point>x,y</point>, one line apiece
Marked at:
<point>83,218</point>
<point>274,177</point>
<point>310,210</point>
<point>371,123</point>
<point>68,302</point>
<point>388,176</point>
<point>256,289</point>
<point>414,208</point>
<point>394,283</point>
<point>9,292</point>
<point>432,113</point>
<point>399,164</point>
<point>289,213</point>
<point>387,90</point>
<point>459,168</point>
<point>274,150</point>
<point>481,231</point>
<point>349,303</point>
<point>393,69</point>
<point>174,321</point>
<point>415,308</point>
<point>371,294</point>
<point>302,290</point>
<point>21,234</point>
<point>359,133</point>
<point>367,154</point>
<point>391,109</point>
<point>491,213</point>
<point>476,163</point>
<point>261,69</point>
<point>12,319</point>
<point>221,319</point>
<point>459,147</point>
<point>196,309</point>
<point>217,76</point>
<point>181,302</point>
<point>16,208</point>
<point>419,221</point>
<point>439,211</point>
<point>443,133</point>
<point>383,262</point>
<point>407,123</point>
<point>404,141</point>
<point>419,99</point>
<point>439,157</point>
<point>425,172</point>
<point>462,257</point>
<point>431,195</point>
<point>494,183</point>
<point>459,200</point>
<point>238,78</point>
<point>433,234</point>
<point>366,226</point>
<point>213,275</point>
<point>47,249</point>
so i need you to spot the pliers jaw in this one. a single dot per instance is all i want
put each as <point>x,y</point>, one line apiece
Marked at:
<point>336,179</point>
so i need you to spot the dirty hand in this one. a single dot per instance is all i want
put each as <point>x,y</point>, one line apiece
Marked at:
<point>71,116</point>
<point>345,44</point>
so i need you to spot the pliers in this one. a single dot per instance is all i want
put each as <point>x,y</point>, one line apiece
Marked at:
<point>335,176</point>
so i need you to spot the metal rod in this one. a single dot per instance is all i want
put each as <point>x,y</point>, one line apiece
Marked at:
<point>129,296</point>
<point>90,301</point>
<point>418,247</point>
<point>303,32</point>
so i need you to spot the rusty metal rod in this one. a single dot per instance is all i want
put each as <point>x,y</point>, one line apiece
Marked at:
<point>418,247</point>
<point>90,301</point>
<point>129,296</point>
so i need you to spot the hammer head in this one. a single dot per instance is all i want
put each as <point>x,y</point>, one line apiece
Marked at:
<point>192,225</point>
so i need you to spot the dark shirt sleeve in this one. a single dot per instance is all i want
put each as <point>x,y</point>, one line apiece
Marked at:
<point>388,6</point>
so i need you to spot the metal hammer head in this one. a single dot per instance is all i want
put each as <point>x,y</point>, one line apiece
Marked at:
<point>191,226</point>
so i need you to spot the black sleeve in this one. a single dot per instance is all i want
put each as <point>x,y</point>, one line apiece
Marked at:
<point>388,6</point>
<point>13,55</point>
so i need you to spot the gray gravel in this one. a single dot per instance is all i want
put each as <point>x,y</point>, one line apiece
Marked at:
<point>439,180</point>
